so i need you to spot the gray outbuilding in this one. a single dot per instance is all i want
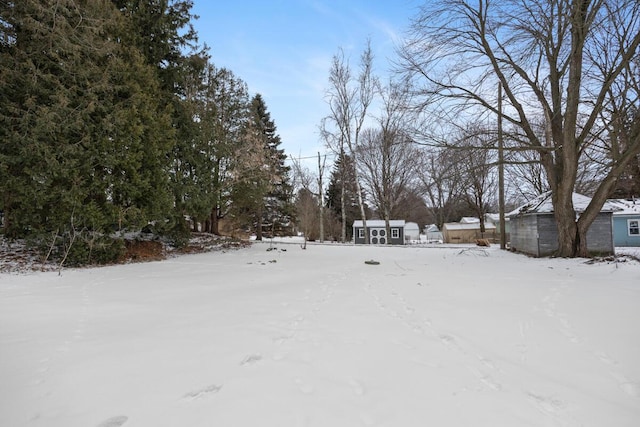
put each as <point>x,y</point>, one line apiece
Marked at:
<point>378,232</point>
<point>534,230</point>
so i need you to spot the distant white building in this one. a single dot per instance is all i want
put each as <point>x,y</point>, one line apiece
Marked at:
<point>433,234</point>
<point>411,231</point>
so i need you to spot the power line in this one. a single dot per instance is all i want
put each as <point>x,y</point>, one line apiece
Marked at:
<point>329,154</point>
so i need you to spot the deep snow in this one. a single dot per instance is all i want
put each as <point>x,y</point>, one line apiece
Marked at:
<point>445,336</point>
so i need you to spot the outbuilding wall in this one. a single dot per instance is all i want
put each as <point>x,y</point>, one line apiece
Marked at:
<point>600,235</point>
<point>621,235</point>
<point>524,234</point>
<point>537,234</point>
<point>394,241</point>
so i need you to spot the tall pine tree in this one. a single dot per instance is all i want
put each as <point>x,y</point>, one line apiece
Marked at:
<point>162,30</point>
<point>113,118</point>
<point>83,133</point>
<point>278,208</point>
<point>262,195</point>
<point>226,110</point>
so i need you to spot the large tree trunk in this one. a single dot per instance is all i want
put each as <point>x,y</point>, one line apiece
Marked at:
<point>7,215</point>
<point>343,201</point>
<point>387,226</point>
<point>214,222</point>
<point>597,201</point>
<point>363,214</point>
<point>343,213</point>
<point>259,224</point>
<point>566,220</point>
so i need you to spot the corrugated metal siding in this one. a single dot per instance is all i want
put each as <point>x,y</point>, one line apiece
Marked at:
<point>538,234</point>
<point>547,235</point>
<point>600,234</point>
<point>524,234</point>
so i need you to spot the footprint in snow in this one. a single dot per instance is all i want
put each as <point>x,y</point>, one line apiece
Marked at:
<point>192,395</point>
<point>251,359</point>
<point>114,421</point>
<point>548,405</point>
<point>606,359</point>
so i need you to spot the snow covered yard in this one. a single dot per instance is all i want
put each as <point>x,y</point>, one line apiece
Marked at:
<point>290,337</point>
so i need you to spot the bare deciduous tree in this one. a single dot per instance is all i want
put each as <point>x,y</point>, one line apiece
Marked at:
<point>441,187</point>
<point>307,214</point>
<point>475,167</point>
<point>388,163</point>
<point>349,100</point>
<point>564,61</point>
<point>388,156</point>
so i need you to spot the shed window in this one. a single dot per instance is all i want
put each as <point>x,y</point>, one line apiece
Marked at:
<point>360,233</point>
<point>395,233</point>
<point>634,227</point>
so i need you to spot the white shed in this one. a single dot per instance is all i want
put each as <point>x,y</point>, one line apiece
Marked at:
<point>411,231</point>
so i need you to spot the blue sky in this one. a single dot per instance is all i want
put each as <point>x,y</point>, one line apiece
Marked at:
<point>283,49</point>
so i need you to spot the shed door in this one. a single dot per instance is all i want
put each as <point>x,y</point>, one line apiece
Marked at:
<point>378,236</point>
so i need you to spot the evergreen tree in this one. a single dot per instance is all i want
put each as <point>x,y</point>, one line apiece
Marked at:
<point>188,176</point>
<point>263,193</point>
<point>162,30</point>
<point>83,134</point>
<point>250,173</point>
<point>82,126</point>
<point>225,115</point>
<point>343,177</point>
<point>278,205</point>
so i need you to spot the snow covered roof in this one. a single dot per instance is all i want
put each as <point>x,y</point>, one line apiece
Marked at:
<point>625,207</point>
<point>469,220</point>
<point>431,228</point>
<point>411,226</point>
<point>467,226</point>
<point>495,217</point>
<point>543,204</point>
<point>380,223</point>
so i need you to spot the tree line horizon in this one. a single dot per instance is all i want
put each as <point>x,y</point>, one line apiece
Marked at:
<point>116,119</point>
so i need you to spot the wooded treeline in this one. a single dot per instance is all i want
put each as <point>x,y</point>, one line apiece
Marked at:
<point>569,75</point>
<point>113,118</point>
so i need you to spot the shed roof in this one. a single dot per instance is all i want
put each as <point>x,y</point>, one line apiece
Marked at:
<point>543,204</point>
<point>431,228</point>
<point>380,223</point>
<point>494,217</point>
<point>469,220</point>
<point>411,226</point>
<point>466,226</point>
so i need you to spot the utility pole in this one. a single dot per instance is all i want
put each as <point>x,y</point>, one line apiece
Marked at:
<point>503,234</point>
<point>321,195</point>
